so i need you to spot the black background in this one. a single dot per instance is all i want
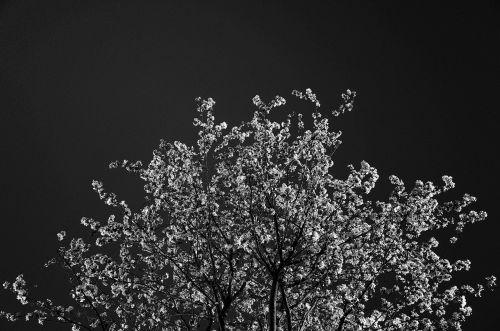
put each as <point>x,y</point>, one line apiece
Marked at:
<point>83,83</point>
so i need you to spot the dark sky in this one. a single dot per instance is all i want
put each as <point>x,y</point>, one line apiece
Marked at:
<point>83,83</point>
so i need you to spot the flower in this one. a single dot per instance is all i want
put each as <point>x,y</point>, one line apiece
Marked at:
<point>61,235</point>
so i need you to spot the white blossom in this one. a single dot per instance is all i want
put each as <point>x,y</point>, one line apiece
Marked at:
<point>248,229</point>
<point>61,235</point>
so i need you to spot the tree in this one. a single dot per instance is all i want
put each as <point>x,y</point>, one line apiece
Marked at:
<point>249,230</point>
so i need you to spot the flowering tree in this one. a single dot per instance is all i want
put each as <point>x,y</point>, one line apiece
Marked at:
<point>249,230</point>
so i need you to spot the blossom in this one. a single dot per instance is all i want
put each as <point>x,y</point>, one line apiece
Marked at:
<point>248,228</point>
<point>61,235</point>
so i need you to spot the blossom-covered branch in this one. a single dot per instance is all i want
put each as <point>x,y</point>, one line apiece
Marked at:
<point>249,229</point>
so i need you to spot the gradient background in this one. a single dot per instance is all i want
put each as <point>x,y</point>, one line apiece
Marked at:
<point>83,83</point>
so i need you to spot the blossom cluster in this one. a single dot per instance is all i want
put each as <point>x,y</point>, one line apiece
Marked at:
<point>250,230</point>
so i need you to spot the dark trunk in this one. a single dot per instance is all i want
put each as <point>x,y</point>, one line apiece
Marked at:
<point>272,305</point>
<point>341,322</point>
<point>287,308</point>
<point>221,317</point>
<point>222,323</point>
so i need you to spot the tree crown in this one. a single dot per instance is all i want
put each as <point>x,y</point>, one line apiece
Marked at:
<point>250,230</point>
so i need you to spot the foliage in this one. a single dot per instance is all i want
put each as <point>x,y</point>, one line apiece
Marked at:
<point>250,230</point>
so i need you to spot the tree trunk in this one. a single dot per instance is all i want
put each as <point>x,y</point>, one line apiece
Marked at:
<point>221,316</point>
<point>222,323</point>
<point>272,304</point>
<point>342,321</point>
<point>287,308</point>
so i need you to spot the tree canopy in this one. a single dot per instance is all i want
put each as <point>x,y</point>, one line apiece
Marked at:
<point>249,229</point>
